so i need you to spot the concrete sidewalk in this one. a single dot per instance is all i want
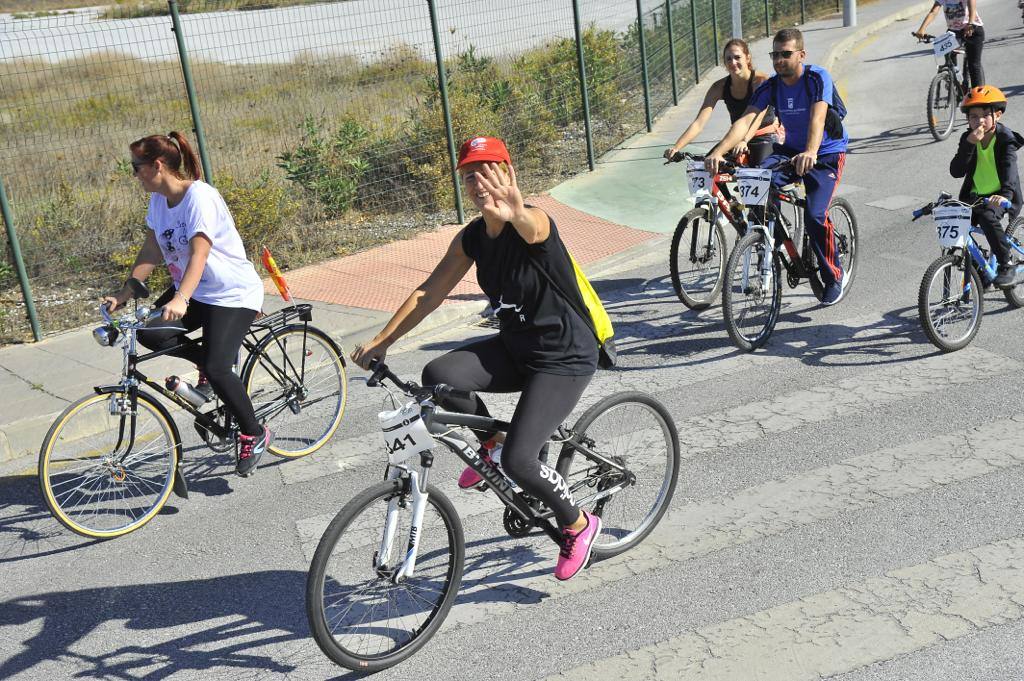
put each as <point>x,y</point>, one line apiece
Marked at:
<point>616,218</point>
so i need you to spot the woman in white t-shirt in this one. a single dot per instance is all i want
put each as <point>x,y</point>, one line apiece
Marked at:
<point>214,285</point>
<point>962,18</point>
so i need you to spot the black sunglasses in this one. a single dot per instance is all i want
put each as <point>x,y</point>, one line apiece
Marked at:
<point>138,164</point>
<point>783,54</point>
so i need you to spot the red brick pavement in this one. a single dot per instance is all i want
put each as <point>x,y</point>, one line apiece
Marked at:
<point>383,277</point>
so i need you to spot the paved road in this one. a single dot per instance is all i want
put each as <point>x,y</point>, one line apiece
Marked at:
<point>849,504</point>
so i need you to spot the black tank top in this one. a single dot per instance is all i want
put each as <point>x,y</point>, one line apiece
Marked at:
<point>539,329</point>
<point>736,106</point>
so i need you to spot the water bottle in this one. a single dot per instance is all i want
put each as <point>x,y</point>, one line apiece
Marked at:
<point>187,392</point>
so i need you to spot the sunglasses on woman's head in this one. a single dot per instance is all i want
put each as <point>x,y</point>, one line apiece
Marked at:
<point>782,54</point>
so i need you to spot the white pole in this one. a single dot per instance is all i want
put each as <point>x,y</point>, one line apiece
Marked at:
<point>849,12</point>
<point>737,18</point>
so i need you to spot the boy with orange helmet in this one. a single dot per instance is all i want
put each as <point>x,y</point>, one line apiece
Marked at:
<point>987,160</point>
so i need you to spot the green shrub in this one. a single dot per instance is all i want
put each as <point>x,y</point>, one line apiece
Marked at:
<point>328,168</point>
<point>261,210</point>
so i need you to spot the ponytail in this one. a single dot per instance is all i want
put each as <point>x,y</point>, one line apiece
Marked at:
<point>173,149</point>
<point>193,169</point>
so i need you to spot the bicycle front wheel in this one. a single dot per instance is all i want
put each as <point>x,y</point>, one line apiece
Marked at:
<point>636,431</point>
<point>359,616</point>
<point>950,302</point>
<point>298,387</point>
<point>697,259</point>
<point>107,466</point>
<point>844,229</point>
<point>752,296</point>
<point>942,105</point>
<point>1015,295</point>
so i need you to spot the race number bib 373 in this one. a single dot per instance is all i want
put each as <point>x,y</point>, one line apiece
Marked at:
<point>699,178</point>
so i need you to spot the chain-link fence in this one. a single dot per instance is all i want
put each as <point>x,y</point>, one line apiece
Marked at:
<point>328,127</point>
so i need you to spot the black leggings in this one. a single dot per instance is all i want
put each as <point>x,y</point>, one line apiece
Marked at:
<point>547,399</point>
<point>223,331</point>
<point>972,49</point>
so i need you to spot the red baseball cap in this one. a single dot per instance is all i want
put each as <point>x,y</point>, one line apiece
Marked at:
<point>483,149</point>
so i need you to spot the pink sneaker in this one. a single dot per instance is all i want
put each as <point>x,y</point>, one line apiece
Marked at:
<point>576,548</point>
<point>470,478</point>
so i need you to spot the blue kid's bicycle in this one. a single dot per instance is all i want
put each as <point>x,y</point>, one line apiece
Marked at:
<point>951,298</point>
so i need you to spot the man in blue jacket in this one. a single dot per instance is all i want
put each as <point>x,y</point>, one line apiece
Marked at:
<point>808,106</point>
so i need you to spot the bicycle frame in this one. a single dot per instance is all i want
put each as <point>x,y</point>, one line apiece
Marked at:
<point>439,423</point>
<point>776,231</point>
<point>987,267</point>
<point>218,421</point>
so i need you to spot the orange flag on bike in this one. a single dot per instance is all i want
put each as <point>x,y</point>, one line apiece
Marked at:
<point>275,273</point>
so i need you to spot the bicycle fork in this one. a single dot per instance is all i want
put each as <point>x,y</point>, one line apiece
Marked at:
<point>764,265</point>
<point>419,496</point>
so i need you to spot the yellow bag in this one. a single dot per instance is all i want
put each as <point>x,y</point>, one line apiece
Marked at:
<point>601,321</point>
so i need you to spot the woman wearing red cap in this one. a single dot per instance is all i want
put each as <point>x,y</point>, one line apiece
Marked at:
<point>543,348</point>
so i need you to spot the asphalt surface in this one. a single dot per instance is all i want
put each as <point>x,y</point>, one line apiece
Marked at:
<point>848,504</point>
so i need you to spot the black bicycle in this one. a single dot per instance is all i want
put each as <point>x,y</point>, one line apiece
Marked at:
<point>389,566</point>
<point>110,461</point>
<point>752,296</point>
<point>948,86</point>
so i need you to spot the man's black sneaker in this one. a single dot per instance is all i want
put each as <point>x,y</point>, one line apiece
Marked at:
<point>250,451</point>
<point>1005,276</point>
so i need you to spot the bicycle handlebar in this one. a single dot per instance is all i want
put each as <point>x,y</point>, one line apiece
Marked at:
<point>923,37</point>
<point>148,314</point>
<point>438,392</point>
<point>726,166</point>
<point>945,197</point>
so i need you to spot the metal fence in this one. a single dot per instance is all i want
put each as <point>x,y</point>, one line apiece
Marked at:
<point>328,127</point>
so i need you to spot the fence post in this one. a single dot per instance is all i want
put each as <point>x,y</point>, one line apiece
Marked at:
<point>190,90</point>
<point>643,63</point>
<point>803,11</point>
<point>767,19</point>
<point>581,65</point>
<point>693,35</point>
<point>671,52</point>
<point>442,80</point>
<point>19,264</point>
<point>714,31</point>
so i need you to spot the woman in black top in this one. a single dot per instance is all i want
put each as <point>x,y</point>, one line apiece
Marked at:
<point>735,90</point>
<point>543,348</point>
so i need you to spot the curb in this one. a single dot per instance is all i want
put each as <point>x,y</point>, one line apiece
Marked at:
<point>847,43</point>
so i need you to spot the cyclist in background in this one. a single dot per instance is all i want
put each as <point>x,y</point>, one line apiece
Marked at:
<point>735,90</point>
<point>543,347</point>
<point>987,160</point>
<point>816,142</point>
<point>963,20</point>
<point>214,285</point>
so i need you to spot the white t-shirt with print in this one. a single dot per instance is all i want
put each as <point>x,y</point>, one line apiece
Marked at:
<point>956,14</point>
<point>229,279</point>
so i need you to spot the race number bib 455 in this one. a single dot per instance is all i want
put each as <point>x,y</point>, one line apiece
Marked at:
<point>944,44</point>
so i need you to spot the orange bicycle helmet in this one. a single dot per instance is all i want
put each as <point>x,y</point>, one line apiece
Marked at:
<point>984,95</point>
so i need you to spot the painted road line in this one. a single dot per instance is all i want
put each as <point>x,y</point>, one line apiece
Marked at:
<point>766,510</point>
<point>829,633</point>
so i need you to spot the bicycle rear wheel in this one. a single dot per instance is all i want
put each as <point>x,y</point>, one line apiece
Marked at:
<point>697,259</point>
<point>105,471</point>
<point>942,103</point>
<point>635,430</point>
<point>844,227</point>
<point>752,296</point>
<point>359,617</point>
<point>1015,295</point>
<point>298,387</point>
<point>950,302</point>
